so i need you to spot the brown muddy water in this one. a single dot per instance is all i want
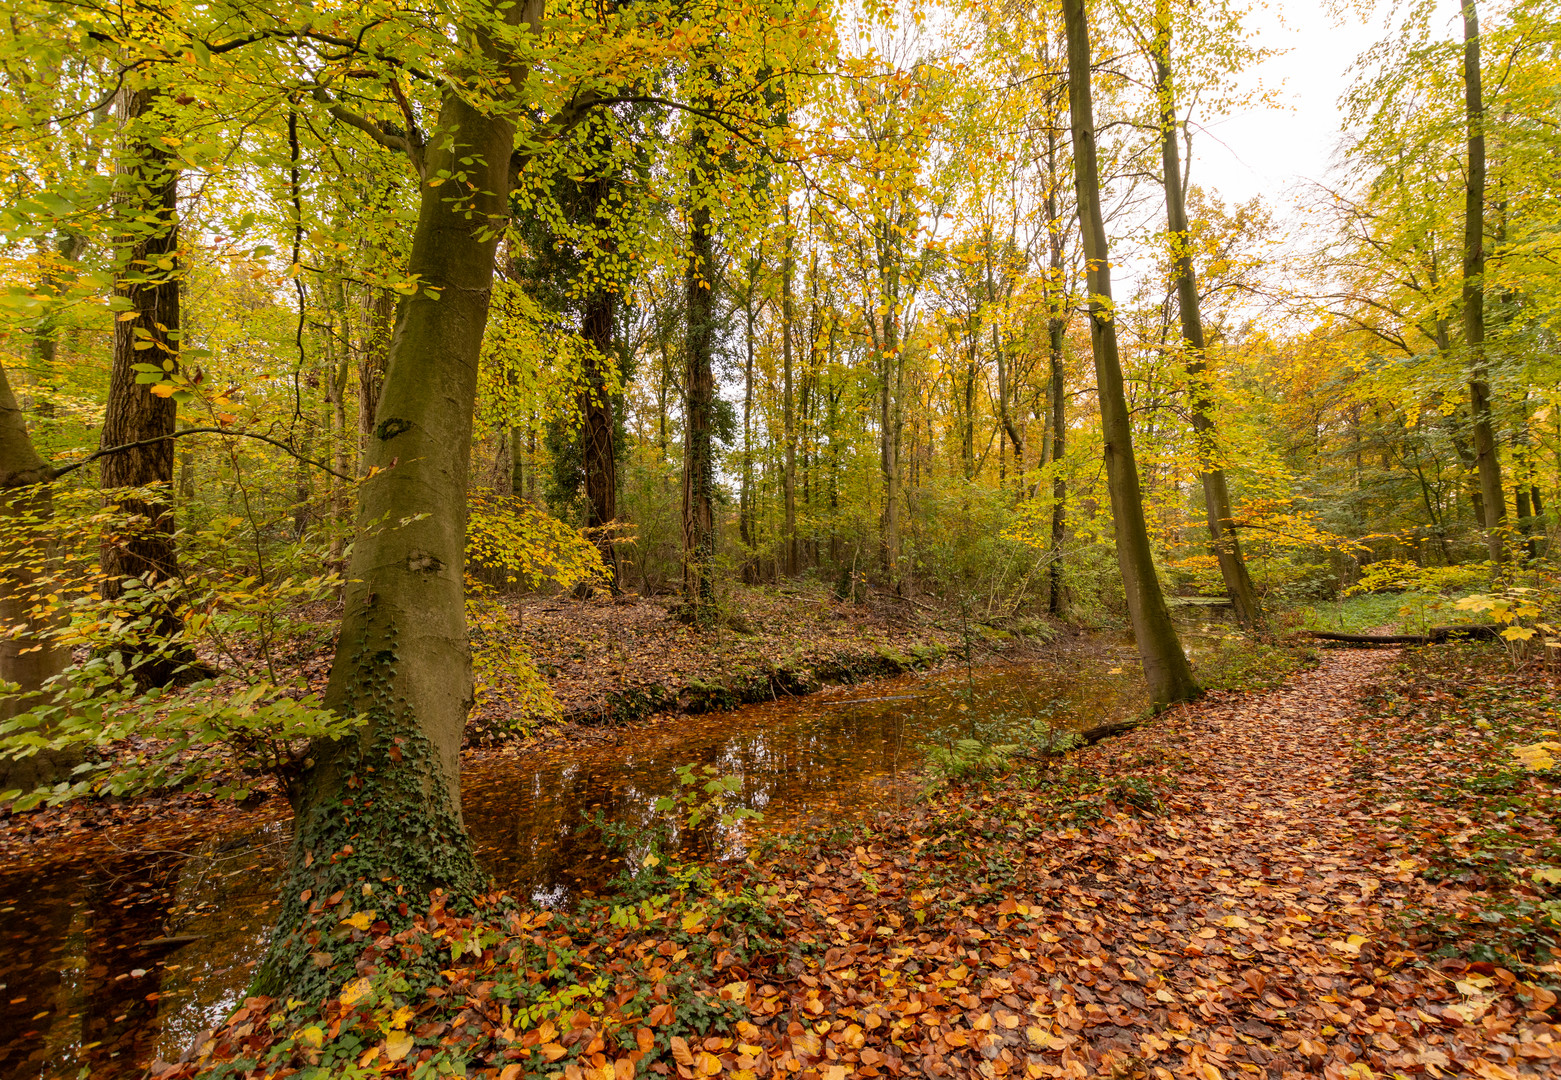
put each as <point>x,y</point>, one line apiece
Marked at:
<point>105,968</point>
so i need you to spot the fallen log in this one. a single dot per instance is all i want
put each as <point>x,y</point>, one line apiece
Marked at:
<point>1093,735</point>
<point>1436,635</point>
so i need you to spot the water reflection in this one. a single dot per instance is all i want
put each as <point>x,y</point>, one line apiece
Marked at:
<point>110,966</point>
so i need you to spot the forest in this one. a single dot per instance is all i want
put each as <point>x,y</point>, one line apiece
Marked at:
<point>779,537</point>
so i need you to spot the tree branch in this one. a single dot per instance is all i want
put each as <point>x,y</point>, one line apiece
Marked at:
<point>64,470</point>
<point>370,128</point>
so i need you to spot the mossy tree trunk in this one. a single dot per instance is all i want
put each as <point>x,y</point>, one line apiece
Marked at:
<point>1216,493</point>
<point>598,449</point>
<point>378,814</point>
<point>1160,650</point>
<point>699,427</point>
<point>598,428</point>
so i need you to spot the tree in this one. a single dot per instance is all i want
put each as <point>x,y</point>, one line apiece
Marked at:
<point>146,335</point>
<point>1165,664</point>
<point>1492,495</point>
<point>30,655</point>
<point>1216,494</point>
<point>699,397</point>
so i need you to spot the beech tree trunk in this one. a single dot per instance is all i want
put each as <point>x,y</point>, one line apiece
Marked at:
<point>377,814</point>
<point>147,277</point>
<point>1216,495</point>
<point>1165,664</point>
<point>1492,496</point>
<point>29,654</point>
<point>699,387</point>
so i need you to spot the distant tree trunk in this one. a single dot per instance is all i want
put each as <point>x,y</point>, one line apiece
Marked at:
<point>789,421</point>
<point>1165,664</point>
<point>147,277</point>
<point>1216,495</point>
<point>598,450</point>
<point>1056,328</point>
<point>699,386</point>
<point>1491,492</point>
<point>371,367</point>
<point>303,476</point>
<point>891,375</point>
<point>746,497</point>
<point>339,363</point>
<point>504,463</point>
<point>29,653</point>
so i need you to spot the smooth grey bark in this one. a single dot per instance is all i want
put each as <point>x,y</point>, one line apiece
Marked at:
<point>378,812</point>
<point>1216,494</point>
<point>1165,665</point>
<point>1492,496</point>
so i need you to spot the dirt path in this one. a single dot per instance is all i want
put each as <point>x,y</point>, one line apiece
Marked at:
<point>1252,928</point>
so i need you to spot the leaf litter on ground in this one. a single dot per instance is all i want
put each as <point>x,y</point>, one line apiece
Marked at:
<point>1212,896</point>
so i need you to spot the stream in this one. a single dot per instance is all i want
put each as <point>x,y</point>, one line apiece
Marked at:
<point>110,966</point>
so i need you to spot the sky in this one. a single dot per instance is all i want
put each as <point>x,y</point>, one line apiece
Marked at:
<point>1274,152</point>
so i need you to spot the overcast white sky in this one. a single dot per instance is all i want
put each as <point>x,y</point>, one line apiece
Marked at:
<point>1273,152</point>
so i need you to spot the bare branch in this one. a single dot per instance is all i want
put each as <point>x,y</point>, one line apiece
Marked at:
<point>64,470</point>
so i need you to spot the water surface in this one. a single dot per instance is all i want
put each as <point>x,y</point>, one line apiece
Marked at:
<point>110,966</point>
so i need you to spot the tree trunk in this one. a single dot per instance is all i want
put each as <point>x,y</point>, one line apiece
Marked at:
<point>371,367</point>
<point>504,473</point>
<point>29,654</point>
<point>746,496</point>
<point>789,421</point>
<point>1216,496</point>
<point>1489,466</point>
<point>598,450</point>
<point>1165,664</point>
<point>142,547</point>
<point>889,402</point>
<point>1056,327</point>
<point>377,814</point>
<point>699,386</point>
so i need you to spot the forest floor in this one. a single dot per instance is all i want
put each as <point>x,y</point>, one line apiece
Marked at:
<point>1355,875</point>
<point>619,659</point>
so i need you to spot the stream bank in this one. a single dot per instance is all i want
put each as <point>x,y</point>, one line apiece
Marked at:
<point>123,944</point>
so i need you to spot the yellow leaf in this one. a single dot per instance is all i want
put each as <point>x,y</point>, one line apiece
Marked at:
<point>355,991</point>
<point>314,1036</point>
<point>1537,757</point>
<point>162,389</point>
<point>397,1045</point>
<point>361,920</point>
